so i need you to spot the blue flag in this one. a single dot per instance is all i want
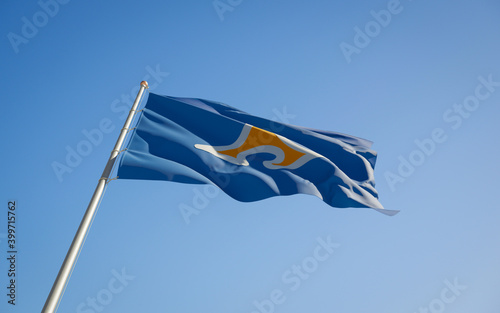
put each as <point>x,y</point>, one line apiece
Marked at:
<point>250,158</point>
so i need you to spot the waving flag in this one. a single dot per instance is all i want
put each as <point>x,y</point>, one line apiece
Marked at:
<point>250,158</point>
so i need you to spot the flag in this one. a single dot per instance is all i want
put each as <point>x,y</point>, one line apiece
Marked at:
<point>250,158</point>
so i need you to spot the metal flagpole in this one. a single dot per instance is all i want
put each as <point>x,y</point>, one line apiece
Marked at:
<point>62,279</point>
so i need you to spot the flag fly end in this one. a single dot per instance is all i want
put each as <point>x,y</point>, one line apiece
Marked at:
<point>388,212</point>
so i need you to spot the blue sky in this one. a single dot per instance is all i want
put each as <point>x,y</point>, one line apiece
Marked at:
<point>420,78</point>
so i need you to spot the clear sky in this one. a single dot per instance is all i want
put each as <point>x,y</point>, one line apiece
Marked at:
<point>421,79</point>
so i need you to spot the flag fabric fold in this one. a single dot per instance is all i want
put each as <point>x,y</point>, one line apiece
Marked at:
<point>250,158</point>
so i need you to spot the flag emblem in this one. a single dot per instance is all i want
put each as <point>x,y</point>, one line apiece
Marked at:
<point>288,154</point>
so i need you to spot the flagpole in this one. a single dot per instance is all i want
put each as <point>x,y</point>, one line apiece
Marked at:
<point>55,295</point>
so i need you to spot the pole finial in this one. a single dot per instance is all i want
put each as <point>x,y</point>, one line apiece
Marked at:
<point>145,84</point>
